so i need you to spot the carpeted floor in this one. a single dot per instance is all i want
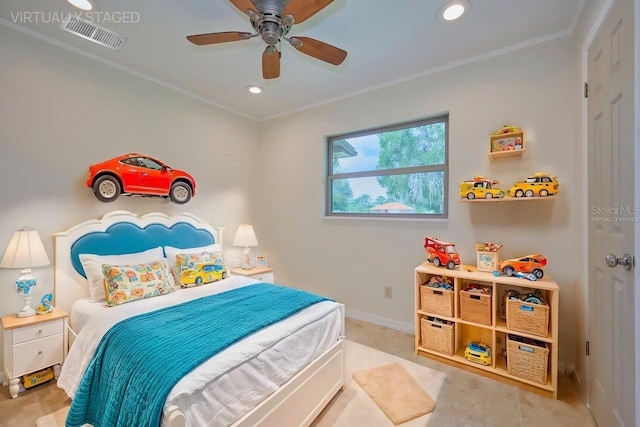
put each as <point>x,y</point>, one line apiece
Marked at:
<point>351,406</point>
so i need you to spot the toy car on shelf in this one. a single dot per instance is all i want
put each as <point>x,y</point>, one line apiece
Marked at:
<point>527,264</point>
<point>441,253</point>
<point>540,184</point>
<point>480,187</point>
<point>507,129</point>
<point>139,174</point>
<point>478,352</point>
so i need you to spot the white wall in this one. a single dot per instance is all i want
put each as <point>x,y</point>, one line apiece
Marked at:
<point>60,112</point>
<point>353,260</point>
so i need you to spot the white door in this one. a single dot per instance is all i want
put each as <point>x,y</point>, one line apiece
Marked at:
<point>612,218</point>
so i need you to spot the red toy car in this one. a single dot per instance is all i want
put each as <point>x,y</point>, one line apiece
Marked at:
<point>441,253</point>
<point>135,173</point>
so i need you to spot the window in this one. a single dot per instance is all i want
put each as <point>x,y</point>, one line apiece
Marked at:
<point>148,163</point>
<point>131,161</point>
<point>394,171</point>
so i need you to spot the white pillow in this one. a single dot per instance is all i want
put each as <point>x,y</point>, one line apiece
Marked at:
<point>170,252</point>
<point>92,265</point>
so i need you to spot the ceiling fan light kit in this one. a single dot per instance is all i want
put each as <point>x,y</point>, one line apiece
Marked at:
<point>272,20</point>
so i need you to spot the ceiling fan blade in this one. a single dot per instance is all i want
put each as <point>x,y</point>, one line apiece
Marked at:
<point>270,63</point>
<point>319,50</point>
<point>305,9</point>
<point>213,38</point>
<point>243,5</point>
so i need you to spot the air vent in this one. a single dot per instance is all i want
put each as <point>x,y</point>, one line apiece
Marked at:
<point>96,34</point>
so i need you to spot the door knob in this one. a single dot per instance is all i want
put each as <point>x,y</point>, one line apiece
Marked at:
<point>626,261</point>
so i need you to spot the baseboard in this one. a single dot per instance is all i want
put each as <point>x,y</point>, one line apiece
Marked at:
<point>581,388</point>
<point>380,321</point>
<point>567,369</point>
<point>577,378</point>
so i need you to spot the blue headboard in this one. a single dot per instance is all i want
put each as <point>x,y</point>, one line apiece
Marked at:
<point>121,232</point>
<point>128,238</point>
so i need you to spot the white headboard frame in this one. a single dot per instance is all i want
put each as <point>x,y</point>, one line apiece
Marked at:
<point>69,285</point>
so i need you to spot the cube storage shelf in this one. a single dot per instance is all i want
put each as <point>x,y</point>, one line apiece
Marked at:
<point>533,366</point>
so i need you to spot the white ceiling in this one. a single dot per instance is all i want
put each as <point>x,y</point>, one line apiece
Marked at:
<point>387,41</point>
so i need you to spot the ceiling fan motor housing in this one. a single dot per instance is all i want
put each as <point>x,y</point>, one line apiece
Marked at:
<point>270,26</point>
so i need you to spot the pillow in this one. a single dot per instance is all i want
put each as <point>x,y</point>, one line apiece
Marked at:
<point>127,283</point>
<point>198,269</point>
<point>92,265</point>
<point>170,252</point>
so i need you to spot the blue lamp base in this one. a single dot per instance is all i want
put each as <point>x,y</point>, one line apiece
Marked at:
<point>25,285</point>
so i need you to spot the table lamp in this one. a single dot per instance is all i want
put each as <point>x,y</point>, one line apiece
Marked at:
<point>25,251</point>
<point>246,238</point>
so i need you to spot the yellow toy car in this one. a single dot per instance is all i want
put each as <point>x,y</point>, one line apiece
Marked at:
<point>478,352</point>
<point>480,187</point>
<point>507,129</point>
<point>541,184</point>
<point>205,272</point>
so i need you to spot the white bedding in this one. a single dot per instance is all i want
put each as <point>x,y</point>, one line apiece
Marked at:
<point>231,383</point>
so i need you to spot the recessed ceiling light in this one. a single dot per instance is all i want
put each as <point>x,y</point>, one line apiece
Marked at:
<point>81,4</point>
<point>254,89</point>
<point>453,10</point>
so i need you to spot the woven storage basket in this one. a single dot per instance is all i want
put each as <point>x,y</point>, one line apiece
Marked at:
<point>528,317</point>
<point>475,307</point>
<point>528,361</point>
<point>436,301</point>
<point>437,336</point>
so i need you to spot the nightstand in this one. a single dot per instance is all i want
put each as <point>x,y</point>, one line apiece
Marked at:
<point>261,274</point>
<point>33,343</point>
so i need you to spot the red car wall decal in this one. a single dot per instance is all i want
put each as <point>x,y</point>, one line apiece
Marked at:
<point>139,174</point>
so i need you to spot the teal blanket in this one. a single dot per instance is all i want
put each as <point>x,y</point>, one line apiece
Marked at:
<point>140,359</point>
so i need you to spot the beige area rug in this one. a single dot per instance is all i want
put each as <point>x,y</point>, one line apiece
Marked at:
<point>351,406</point>
<point>395,391</point>
<point>56,419</point>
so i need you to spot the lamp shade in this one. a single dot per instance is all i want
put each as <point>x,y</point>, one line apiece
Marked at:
<point>245,236</point>
<point>25,250</point>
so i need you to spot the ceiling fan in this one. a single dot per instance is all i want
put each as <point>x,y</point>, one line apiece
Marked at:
<point>272,20</point>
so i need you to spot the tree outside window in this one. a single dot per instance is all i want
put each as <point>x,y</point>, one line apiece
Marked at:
<point>398,171</point>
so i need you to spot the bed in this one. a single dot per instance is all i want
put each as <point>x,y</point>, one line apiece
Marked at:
<point>283,374</point>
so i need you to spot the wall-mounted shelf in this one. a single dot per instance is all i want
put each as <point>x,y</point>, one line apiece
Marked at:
<point>506,145</point>
<point>503,154</point>
<point>509,199</point>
